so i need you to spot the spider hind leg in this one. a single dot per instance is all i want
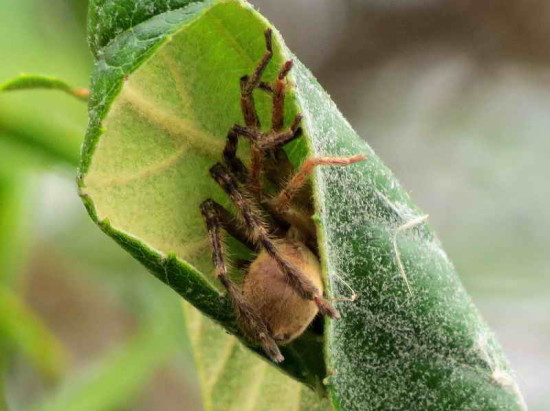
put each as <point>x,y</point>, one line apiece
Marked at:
<point>250,323</point>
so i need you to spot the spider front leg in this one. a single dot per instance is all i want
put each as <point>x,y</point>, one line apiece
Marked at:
<point>250,323</point>
<point>251,178</point>
<point>277,165</point>
<point>249,83</point>
<point>282,201</point>
<point>265,145</point>
<point>260,236</point>
<point>279,90</point>
<point>275,141</point>
<point>234,163</point>
<point>266,142</point>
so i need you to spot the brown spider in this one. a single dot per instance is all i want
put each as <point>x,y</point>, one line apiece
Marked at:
<point>283,289</point>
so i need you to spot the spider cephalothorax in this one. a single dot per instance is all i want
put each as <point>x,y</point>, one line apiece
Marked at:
<point>283,289</point>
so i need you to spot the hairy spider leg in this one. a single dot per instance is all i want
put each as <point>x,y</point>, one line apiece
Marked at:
<point>266,142</point>
<point>273,141</point>
<point>248,107</point>
<point>230,223</point>
<point>250,323</point>
<point>260,236</point>
<point>278,89</point>
<point>263,145</point>
<point>238,169</point>
<point>282,202</point>
<point>273,158</point>
<point>269,145</point>
<point>277,166</point>
<point>249,83</point>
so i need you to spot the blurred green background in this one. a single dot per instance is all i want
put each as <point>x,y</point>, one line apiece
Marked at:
<point>453,95</point>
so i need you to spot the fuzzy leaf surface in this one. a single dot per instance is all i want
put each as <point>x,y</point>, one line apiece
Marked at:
<point>164,95</point>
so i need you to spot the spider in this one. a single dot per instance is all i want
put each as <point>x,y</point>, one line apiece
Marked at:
<point>282,290</point>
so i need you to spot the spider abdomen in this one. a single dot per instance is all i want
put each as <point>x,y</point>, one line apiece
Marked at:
<point>266,288</point>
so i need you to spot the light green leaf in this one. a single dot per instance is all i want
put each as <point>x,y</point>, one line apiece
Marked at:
<point>234,379</point>
<point>164,95</point>
<point>38,36</point>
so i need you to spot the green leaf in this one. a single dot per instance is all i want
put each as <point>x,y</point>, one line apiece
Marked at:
<point>39,36</point>
<point>429,346</point>
<point>163,97</point>
<point>37,81</point>
<point>109,18</point>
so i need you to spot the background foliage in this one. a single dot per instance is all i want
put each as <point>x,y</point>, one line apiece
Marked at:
<point>458,113</point>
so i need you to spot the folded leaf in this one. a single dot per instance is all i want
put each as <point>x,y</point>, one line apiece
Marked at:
<point>163,97</point>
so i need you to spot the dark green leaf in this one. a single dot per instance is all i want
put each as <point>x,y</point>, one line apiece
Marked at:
<point>428,346</point>
<point>109,18</point>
